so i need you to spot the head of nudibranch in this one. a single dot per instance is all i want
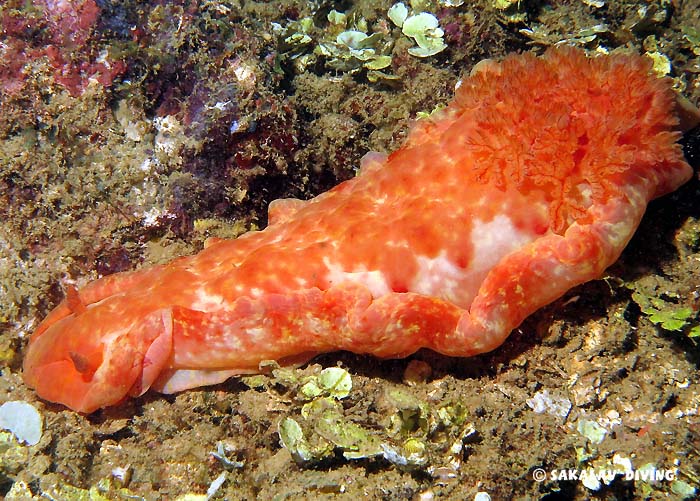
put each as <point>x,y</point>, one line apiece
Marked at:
<point>90,357</point>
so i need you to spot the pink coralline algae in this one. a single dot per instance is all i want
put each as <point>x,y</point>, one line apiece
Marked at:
<point>62,35</point>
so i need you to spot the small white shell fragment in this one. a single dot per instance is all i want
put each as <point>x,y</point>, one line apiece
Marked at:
<point>591,430</point>
<point>590,480</point>
<point>542,402</point>
<point>393,456</point>
<point>623,463</point>
<point>22,420</point>
<point>122,474</point>
<point>216,484</point>
<point>19,490</point>
<point>425,496</point>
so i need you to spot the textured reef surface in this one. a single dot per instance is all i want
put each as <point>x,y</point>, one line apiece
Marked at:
<point>131,132</point>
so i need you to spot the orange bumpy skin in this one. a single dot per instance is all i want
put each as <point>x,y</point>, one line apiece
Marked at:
<point>530,182</point>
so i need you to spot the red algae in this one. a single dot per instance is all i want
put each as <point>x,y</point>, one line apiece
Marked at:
<point>62,32</point>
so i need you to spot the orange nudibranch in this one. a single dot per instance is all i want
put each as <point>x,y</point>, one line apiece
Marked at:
<point>531,181</point>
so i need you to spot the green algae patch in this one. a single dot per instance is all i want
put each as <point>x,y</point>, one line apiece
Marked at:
<point>591,430</point>
<point>332,381</point>
<point>104,490</point>
<point>667,314</point>
<point>346,44</point>
<point>322,428</point>
<point>413,435</point>
<point>423,28</point>
<point>318,436</point>
<point>293,439</point>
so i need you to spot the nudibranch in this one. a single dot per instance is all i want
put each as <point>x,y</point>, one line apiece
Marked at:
<point>531,181</point>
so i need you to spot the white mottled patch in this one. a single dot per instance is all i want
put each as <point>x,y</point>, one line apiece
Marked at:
<point>314,325</point>
<point>277,238</point>
<point>255,333</point>
<point>403,244</point>
<point>228,339</point>
<point>491,241</point>
<point>586,192</point>
<point>204,301</point>
<point>373,280</point>
<point>439,277</point>
<point>169,130</point>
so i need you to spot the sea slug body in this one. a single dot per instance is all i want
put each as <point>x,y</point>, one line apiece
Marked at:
<point>531,181</point>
